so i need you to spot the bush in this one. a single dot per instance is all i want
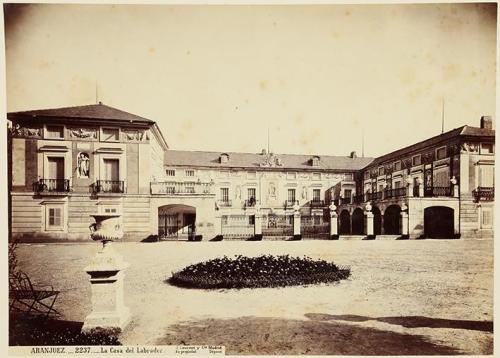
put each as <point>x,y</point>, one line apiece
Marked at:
<point>262,271</point>
<point>33,331</point>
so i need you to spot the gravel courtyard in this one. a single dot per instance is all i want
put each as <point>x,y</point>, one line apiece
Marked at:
<point>404,297</point>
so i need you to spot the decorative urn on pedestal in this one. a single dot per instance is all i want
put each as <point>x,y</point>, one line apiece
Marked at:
<point>106,277</point>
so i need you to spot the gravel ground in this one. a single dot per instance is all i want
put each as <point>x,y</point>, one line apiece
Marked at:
<point>406,297</point>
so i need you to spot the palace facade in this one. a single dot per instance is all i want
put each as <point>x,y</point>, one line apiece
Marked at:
<point>69,163</point>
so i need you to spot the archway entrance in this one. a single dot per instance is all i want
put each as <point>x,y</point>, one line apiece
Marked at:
<point>439,222</point>
<point>358,222</point>
<point>176,221</point>
<point>392,219</point>
<point>345,223</point>
<point>377,221</point>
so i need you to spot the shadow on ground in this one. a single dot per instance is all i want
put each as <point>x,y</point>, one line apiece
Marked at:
<point>409,321</point>
<point>261,335</point>
<point>26,330</point>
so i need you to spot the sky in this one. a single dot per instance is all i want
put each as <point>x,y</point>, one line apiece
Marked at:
<point>319,78</point>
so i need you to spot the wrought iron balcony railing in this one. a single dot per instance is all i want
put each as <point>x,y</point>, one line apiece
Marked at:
<point>438,191</point>
<point>224,203</point>
<point>317,203</point>
<point>250,203</point>
<point>51,186</point>
<point>110,186</point>
<point>291,203</point>
<point>374,196</point>
<point>484,193</point>
<point>395,193</point>
<point>181,188</point>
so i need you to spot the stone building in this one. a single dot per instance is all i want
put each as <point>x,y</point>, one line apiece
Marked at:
<point>66,164</point>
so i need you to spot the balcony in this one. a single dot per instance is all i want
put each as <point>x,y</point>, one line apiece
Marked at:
<point>374,196</point>
<point>484,193</point>
<point>110,186</point>
<point>250,203</point>
<point>347,200</point>
<point>51,186</point>
<point>395,193</point>
<point>436,191</point>
<point>224,203</point>
<point>181,188</point>
<point>317,203</point>
<point>289,204</point>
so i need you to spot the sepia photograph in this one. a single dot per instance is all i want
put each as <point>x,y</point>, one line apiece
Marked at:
<point>261,179</point>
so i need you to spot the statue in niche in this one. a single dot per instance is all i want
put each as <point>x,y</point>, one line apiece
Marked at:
<point>238,192</point>
<point>304,193</point>
<point>272,190</point>
<point>83,165</point>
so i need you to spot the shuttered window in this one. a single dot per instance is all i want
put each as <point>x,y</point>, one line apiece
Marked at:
<point>486,176</point>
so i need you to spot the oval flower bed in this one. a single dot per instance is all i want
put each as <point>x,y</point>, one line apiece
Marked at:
<point>262,271</point>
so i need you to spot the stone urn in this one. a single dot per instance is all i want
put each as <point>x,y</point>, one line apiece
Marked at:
<point>106,272</point>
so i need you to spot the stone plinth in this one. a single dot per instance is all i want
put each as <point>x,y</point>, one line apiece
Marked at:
<point>106,279</point>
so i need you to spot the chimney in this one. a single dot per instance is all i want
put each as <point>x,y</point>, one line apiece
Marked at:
<point>353,155</point>
<point>486,122</point>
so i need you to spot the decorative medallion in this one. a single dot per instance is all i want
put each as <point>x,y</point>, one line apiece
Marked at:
<point>83,133</point>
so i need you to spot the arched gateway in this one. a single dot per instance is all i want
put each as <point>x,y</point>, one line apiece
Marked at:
<point>177,221</point>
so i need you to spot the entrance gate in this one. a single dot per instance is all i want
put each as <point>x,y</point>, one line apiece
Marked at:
<point>314,227</point>
<point>237,226</point>
<point>277,225</point>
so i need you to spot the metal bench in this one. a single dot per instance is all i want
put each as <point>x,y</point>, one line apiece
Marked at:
<point>29,299</point>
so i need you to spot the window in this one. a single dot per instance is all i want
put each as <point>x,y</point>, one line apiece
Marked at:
<point>251,220</point>
<point>54,217</point>
<point>487,148</point>
<point>170,172</point>
<point>291,195</point>
<point>55,168</point>
<point>347,194</point>
<point>416,160</point>
<point>486,176</point>
<point>348,177</point>
<point>315,161</point>
<point>291,175</point>
<point>441,153</point>
<point>224,194</point>
<point>54,132</point>
<point>224,158</point>
<point>317,220</point>
<point>486,218</point>
<point>110,135</point>
<point>111,169</point>
<point>397,166</point>
<point>251,193</point>
<point>316,194</point>
<point>397,184</point>
<point>381,171</point>
<point>110,210</point>
<point>190,173</point>
<point>316,176</point>
<point>367,174</point>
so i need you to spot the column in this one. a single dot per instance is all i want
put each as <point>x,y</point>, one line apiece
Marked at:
<point>369,222</point>
<point>421,187</point>
<point>405,235</point>
<point>409,181</point>
<point>258,223</point>
<point>334,234</point>
<point>296,223</point>
<point>218,226</point>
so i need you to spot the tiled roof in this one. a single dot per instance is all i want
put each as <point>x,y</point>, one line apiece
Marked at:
<point>253,160</point>
<point>93,111</point>
<point>447,136</point>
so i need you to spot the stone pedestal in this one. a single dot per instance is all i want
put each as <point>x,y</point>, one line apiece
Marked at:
<point>405,235</point>
<point>334,233</point>
<point>218,227</point>
<point>296,225</point>
<point>369,226</point>
<point>106,279</point>
<point>258,225</point>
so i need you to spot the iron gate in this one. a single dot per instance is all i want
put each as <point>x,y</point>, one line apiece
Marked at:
<point>277,225</point>
<point>237,226</point>
<point>315,227</point>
